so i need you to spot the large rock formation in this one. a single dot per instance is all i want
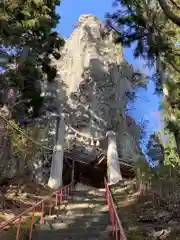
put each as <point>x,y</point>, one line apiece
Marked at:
<point>91,88</point>
<point>93,81</point>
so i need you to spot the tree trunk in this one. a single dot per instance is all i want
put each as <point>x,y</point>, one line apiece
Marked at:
<point>8,166</point>
<point>113,166</point>
<point>172,117</point>
<point>55,179</point>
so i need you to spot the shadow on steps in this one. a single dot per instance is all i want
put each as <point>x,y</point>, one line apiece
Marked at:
<point>78,219</point>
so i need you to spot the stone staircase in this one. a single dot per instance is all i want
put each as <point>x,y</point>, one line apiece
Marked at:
<point>84,216</point>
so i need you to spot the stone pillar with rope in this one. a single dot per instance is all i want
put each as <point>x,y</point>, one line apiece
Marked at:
<point>56,174</point>
<point>113,167</point>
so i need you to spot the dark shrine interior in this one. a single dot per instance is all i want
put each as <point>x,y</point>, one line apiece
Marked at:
<point>92,173</point>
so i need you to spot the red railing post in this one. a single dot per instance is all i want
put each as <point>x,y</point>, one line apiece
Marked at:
<point>64,193</point>
<point>112,215</point>
<point>56,199</point>
<point>68,190</point>
<point>40,204</point>
<point>50,206</point>
<point>42,213</point>
<point>61,196</point>
<point>113,220</point>
<point>18,229</point>
<point>32,222</point>
<point>118,231</point>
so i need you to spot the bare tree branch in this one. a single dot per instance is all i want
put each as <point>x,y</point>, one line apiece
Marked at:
<point>166,9</point>
<point>175,4</point>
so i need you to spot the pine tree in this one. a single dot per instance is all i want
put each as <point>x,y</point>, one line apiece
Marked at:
<point>153,27</point>
<point>155,149</point>
<point>145,24</point>
<point>27,40</point>
<point>170,152</point>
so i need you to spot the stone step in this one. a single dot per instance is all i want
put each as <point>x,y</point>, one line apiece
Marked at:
<point>79,212</point>
<point>95,215</point>
<point>82,208</point>
<point>71,228</point>
<point>90,193</point>
<point>88,222</point>
<point>82,216</point>
<point>82,220</point>
<point>58,236</point>
<point>71,218</point>
<point>87,201</point>
<point>86,196</point>
<point>70,233</point>
<point>84,199</point>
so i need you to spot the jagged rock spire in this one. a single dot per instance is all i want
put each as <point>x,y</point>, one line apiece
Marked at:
<point>93,79</point>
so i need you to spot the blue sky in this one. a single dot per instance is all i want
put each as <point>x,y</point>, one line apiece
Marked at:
<point>147,103</point>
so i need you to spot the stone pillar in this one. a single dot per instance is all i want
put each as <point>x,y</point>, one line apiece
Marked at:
<point>55,180</point>
<point>113,166</point>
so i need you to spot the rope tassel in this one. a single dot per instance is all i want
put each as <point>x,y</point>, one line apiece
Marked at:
<point>97,143</point>
<point>92,142</point>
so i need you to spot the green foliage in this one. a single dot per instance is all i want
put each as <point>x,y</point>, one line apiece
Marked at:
<point>155,34</point>
<point>145,24</point>
<point>143,124</point>
<point>171,156</point>
<point>155,149</point>
<point>24,141</point>
<point>161,182</point>
<point>26,42</point>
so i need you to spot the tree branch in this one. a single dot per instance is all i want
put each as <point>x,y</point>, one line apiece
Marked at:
<point>166,9</point>
<point>175,4</point>
<point>176,68</point>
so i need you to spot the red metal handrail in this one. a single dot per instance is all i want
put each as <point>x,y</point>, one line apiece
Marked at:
<point>118,230</point>
<point>60,194</point>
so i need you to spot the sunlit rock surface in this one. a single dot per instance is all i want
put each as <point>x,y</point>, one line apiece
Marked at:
<point>93,81</point>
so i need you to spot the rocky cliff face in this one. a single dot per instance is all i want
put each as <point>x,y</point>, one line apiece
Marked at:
<point>91,88</point>
<point>93,81</point>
